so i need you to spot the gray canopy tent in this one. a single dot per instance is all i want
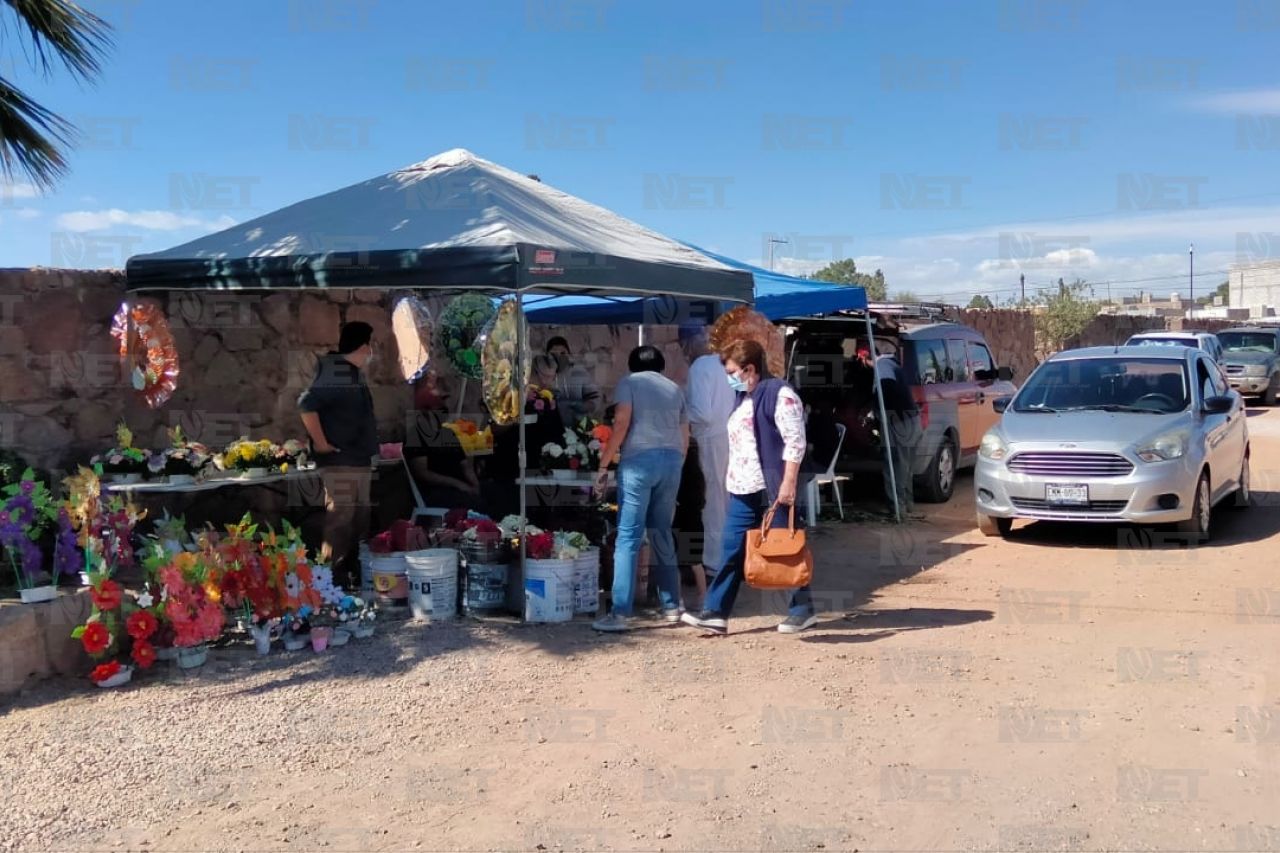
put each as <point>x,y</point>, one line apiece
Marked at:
<point>452,222</point>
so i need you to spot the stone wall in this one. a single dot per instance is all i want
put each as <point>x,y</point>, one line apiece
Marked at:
<point>1010,333</point>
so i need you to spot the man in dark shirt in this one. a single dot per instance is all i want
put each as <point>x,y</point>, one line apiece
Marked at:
<point>903,429</point>
<point>337,411</point>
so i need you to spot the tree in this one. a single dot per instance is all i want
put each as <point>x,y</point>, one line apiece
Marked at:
<point>980,302</point>
<point>33,139</point>
<point>1063,314</point>
<point>1223,290</point>
<point>905,296</point>
<point>846,272</point>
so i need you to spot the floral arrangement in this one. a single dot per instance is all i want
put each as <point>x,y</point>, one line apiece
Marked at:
<point>500,359</point>
<point>540,399</point>
<point>355,612</point>
<point>479,530</point>
<point>192,599</point>
<point>27,511</point>
<point>580,447</point>
<point>124,458</point>
<point>103,528</point>
<point>459,328</point>
<point>472,439</point>
<point>568,545</point>
<point>540,546</point>
<point>511,524</point>
<point>114,623</point>
<point>245,454</point>
<point>401,536</point>
<point>181,457</point>
<point>147,347</point>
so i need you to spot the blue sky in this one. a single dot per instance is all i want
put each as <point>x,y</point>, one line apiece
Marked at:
<point>953,144</point>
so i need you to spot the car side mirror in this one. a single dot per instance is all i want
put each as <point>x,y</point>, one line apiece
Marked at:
<point>1004,374</point>
<point>1000,404</point>
<point>1218,405</point>
<point>982,375</point>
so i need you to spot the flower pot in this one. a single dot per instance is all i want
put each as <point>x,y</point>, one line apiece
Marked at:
<point>340,637</point>
<point>166,653</point>
<point>363,631</point>
<point>295,642</point>
<point>121,677</point>
<point>190,657</point>
<point>126,479</point>
<point>253,473</point>
<point>261,639</point>
<point>36,594</point>
<point>181,479</point>
<point>320,639</point>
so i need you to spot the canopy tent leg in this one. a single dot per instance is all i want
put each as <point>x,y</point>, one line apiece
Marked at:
<point>522,356</point>
<point>884,421</point>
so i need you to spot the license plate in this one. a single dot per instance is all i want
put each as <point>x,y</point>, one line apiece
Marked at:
<point>1066,494</point>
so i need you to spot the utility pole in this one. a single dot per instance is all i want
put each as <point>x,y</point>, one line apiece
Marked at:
<point>773,241</point>
<point>1022,285</point>
<point>1191,278</point>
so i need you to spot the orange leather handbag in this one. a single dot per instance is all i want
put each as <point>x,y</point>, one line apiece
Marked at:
<point>778,558</point>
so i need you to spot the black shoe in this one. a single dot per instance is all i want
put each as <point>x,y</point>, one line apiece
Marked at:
<point>707,620</point>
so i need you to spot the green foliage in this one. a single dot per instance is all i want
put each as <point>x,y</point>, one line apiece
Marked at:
<point>980,302</point>
<point>846,272</point>
<point>905,296</point>
<point>1063,314</point>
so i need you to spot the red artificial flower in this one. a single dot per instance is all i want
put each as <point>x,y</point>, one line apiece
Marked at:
<point>539,547</point>
<point>144,654</point>
<point>102,672</point>
<point>95,638</point>
<point>141,624</point>
<point>106,596</point>
<point>573,464</point>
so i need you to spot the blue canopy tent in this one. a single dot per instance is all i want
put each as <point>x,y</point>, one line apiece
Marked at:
<point>777,297</point>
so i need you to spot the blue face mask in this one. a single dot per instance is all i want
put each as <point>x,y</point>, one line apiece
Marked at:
<point>737,383</point>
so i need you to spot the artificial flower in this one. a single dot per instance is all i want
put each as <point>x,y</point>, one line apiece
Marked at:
<point>145,599</point>
<point>96,638</point>
<point>107,595</point>
<point>143,654</point>
<point>141,624</point>
<point>103,671</point>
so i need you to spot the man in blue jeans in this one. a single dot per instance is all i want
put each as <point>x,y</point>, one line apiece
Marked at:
<point>651,429</point>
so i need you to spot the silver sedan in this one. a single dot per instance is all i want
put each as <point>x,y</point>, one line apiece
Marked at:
<point>1136,434</point>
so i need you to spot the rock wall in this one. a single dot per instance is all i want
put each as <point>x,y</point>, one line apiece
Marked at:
<point>1010,333</point>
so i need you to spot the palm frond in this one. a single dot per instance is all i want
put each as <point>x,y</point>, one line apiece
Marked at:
<point>31,138</point>
<point>62,30</point>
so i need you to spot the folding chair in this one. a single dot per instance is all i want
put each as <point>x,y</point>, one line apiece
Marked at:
<point>829,477</point>
<point>419,507</point>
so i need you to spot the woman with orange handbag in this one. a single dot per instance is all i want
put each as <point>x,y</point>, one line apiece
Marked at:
<point>766,449</point>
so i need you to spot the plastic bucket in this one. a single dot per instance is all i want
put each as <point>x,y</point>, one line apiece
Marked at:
<point>366,573</point>
<point>390,581</point>
<point>486,587</point>
<point>548,590</point>
<point>586,581</point>
<point>433,583</point>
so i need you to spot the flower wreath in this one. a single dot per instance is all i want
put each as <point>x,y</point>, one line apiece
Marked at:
<point>147,350</point>
<point>460,325</point>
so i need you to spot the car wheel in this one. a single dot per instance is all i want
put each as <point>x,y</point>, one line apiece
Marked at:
<point>1244,493</point>
<point>1201,510</point>
<point>940,479</point>
<point>990,525</point>
<point>1269,395</point>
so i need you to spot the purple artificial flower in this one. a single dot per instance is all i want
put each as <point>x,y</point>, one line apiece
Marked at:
<point>21,510</point>
<point>66,555</point>
<point>28,486</point>
<point>31,560</point>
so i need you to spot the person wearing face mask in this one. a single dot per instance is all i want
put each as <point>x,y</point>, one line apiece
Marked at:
<point>577,396</point>
<point>337,412</point>
<point>766,449</point>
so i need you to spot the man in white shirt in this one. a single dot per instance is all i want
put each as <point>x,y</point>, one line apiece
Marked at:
<point>710,402</point>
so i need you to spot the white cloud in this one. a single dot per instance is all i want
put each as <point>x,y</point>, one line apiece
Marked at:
<point>27,213</point>
<point>12,191</point>
<point>1249,101</point>
<point>152,220</point>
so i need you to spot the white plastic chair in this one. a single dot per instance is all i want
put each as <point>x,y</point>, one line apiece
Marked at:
<point>829,477</point>
<point>419,507</point>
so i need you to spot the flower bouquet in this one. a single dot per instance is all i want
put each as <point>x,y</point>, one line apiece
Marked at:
<point>500,357</point>
<point>473,440</point>
<point>192,602</point>
<point>460,325</point>
<point>569,457</point>
<point>357,616</point>
<point>124,463</point>
<point>595,435</point>
<point>113,623</point>
<point>182,461</point>
<point>251,458</point>
<point>26,512</point>
<point>103,528</point>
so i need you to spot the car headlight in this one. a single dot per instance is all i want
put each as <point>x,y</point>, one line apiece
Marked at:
<point>1255,370</point>
<point>1171,445</point>
<point>992,447</point>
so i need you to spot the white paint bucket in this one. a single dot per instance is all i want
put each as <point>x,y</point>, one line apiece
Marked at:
<point>586,582</point>
<point>548,590</point>
<point>433,583</point>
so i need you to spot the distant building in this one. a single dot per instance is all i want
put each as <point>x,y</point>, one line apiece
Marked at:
<point>1147,306</point>
<point>1256,287</point>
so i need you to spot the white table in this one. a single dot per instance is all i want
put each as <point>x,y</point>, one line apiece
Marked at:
<point>578,481</point>
<point>222,479</point>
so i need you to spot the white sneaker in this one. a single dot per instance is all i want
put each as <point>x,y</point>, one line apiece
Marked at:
<point>672,616</point>
<point>614,623</point>
<point>796,624</point>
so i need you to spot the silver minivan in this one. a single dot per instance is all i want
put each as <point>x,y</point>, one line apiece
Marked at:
<point>1139,434</point>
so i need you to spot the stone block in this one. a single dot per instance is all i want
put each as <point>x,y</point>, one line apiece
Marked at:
<point>22,653</point>
<point>205,349</point>
<point>242,339</point>
<point>55,621</point>
<point>95,423</point>
<point>318,321</point>
<point>18,383</point>
<point>13,340</point>
<point>58,317</point>
<point>277,313</point>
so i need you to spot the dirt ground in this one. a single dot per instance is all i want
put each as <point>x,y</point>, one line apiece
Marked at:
<point>1075,688</point>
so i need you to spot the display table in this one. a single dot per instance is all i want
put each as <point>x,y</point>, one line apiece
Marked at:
<point>225,478</point>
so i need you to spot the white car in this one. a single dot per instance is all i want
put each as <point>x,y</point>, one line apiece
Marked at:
<point>1206,341</point>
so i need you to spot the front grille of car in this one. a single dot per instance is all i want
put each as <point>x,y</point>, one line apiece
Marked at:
<point>1064,464</point>
<point>1040,505</point>
<point>1235,369</point>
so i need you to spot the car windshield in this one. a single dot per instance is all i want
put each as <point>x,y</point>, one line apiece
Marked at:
<point>1115,384</point>
<point>1248,341</point>
<point>1164,342</point>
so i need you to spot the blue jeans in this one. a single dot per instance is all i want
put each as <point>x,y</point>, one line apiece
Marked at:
<point>746,512</point>
<point>647,484</point>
